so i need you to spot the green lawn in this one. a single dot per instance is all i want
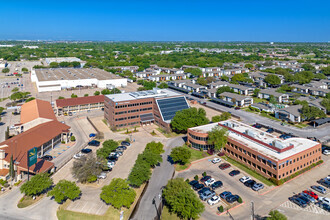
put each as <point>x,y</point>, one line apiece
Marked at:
<point>264,114</point>
<point>249,171</point>
<point>166,215</point>
<point>26,201</point>
<point>167,134</point>
<point>195,155</point>
<point>257,100</point>
<point>301,125</point>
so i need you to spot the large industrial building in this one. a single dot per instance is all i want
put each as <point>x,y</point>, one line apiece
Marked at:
<point>63,78</point>
<point>64,59</point>
<point>263,152</point>
<point>138,108</point>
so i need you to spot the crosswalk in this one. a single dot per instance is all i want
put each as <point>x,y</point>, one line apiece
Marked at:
<point>311,208</point>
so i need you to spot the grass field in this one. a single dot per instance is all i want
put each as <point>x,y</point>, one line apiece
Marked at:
<point>195,155</point>
<point>167,134</point>
<point>26,201</point>
<point>166,215</point>
<point>249,171</point>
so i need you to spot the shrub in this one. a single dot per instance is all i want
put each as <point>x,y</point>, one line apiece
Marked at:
<point>187,181</point>
<point>239,200</point>
<point>220,209</point>
<point>92,179</point>
<point>3,182</point>
<point>73,138</point>
<point>204,174</point>
<point>17,183</point>
<point>196,178</point>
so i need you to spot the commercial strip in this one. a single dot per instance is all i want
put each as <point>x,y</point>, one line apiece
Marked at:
<point>263,152</point>
<point>139,108</point>
<point>65,78</point>
<point>65,106</point>
<point>39,129</point>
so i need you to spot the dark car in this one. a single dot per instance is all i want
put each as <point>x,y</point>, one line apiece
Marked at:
<point>193,182</point>
<point>114,158</point>
<point>319,189</point>
<point>325,206</point>
<point>250,183</point>
<point>47,157</point>
<point>324,182</point>
<point>256,126</point>
<point>225,194</point>
<point>204,189</point>
<point>94,143</point>
<point>216,185</point>
<point>302,197</point>
<point>107,169</point>
<point>92,135</point>
<point>125,143</point>
<point>232,198</point>
<point>237,108</point>
<point>86,151</point>
<point>234,173</point>
<point>270,130</point>
<point>224,166</point>
<point>205,178</point>
<point>121,148</point>
<point>298,201</point>
<point>198,186</point>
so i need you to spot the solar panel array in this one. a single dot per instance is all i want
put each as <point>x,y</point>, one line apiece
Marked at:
<point>168,107</point>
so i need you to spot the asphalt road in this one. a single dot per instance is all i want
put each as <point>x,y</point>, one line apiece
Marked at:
<point>321,133</point>
<point>160,176</point>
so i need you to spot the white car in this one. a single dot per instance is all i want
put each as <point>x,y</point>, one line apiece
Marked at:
<point>244,179</point>
<point>210,182</point>
<point>325,200</point>
<point>214,200</point>
<point>102,176</point>
<point>326,152</point>
<point>78,156</point>
<point>113,154</point>
<point>110,164</point>
<point>216,160</point>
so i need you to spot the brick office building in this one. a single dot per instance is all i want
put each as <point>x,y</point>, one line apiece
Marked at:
<point>263,152</point>
<point>139,108</point>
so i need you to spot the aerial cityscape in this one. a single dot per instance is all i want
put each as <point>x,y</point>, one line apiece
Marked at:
<point>173,110</point>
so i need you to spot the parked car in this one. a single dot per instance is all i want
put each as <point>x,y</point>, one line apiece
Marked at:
<point>256,126</point>
<point>270,130</point>
<point>214,200</point>
<point>224,166</point>
<point>70,113</point>
<point>324,206</point>
<point>324,200</point>
<point>244,179</point>
<point>125,143</point>
<point>326,152</point>
<point>249,183</point>
<point>92,135</point>
<point>237,108</point>
<point>122,148</point>
<point>319,189</point>
<point>47,157</point>
<point>114,158</point>
<point>78,156</point>
<point>204,189</point>
<point>94,143</point>
<point>119,153</point>
<point>193,182</point>
<point>111,164</point>
<point>234,173</point>
<point>216,160</point>
<point>311,193</point>
<point>325,182</point>
<point>232,198</point>
<point>205,178</point>
<point>298,201</point>
<point>198,186</point>
<point>304,198</point>
<point>86,151</point>
<point>310,198</point>
<point>258,186</point>
<point>210,182</point>
<point>207,195</point>
<point>102,175</point>
<point>225,194</point>
<point>216,185</point>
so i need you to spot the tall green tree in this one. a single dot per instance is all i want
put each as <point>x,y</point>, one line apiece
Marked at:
<point>11,168</point>
<point>202,81</point>
<point>224,89</point>
<point>64,190</point>
<point>188,118</point>
<point>218,137</point>
<point>272,79</point>
<point>311,112</point>
<point>37,185</point>
<point>180,155</point>
<point>139,174</point>
<point>182,200</point>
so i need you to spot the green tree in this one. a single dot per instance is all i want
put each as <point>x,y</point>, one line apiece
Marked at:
<point>256,92</point>
<point>194,71</point>
<point>326,103</point>
<point>238,77</point>
<point>202,81</point>
<point>97,93</point>
<point>311,112</point>
<point>188,118</point>
<point>319,76</point>
<point>216,118</point>
<point>11,168</point>
<point>5,70</point>
<point>308,67</point>
<point>218,137</point>
<point>150,158</point>
<point>118,194</point>
<point>163,85</point>
<point>180,155</point>
<point>326,70</point>
<point>37,185</point>
<point>64,190</point>
<point>276,215</point>
<point>155,147</point>
<point>86,167</point>
<point>24,69</point>
<point>139,174</point>
<point>108,146</point>
<point>16,89</point>
<point>86,95</point>
<point>30,99</point>
<point>182,200</point>
<point>272,79</point>
<point>248,65</point>
<point>53,65</point>
<point>272,99</point>
<point>224,89</point>
<point>61,97</point>
<point>74,95</point>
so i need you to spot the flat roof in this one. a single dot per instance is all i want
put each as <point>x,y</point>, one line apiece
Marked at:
<point>155,93</point>
<point>54,74</point>
<point>79,101</point>
<point>299,144</point>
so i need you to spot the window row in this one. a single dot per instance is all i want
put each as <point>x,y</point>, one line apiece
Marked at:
<point>299,167</point>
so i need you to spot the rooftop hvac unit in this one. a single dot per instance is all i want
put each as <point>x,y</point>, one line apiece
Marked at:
<point>251,133</point>
<point>280,144</point>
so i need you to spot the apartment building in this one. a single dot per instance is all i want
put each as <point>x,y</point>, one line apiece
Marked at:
<point>236,100</point>
<point>267,93</point>
<point>265,153</point>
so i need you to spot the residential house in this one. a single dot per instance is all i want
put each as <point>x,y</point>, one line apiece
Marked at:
<point>217,84</point>
<point>166,77</point>
<point>267,93</point>
<point>291,114</point>
<point>243,90</point>
<point>235,99</point>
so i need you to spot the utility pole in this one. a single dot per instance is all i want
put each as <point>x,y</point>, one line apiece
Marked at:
<point>252,210</point>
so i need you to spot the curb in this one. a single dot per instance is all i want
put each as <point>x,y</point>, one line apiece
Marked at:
<point>196,161</point>
<point>219,214</point>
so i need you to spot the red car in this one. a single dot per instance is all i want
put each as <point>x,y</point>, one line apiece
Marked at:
<point>224,166</point>
<point>312,194</point>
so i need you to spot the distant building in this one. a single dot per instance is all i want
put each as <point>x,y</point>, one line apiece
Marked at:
<point>64,59</point>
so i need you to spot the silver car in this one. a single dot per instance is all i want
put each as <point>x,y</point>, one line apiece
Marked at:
<point>102,176</point>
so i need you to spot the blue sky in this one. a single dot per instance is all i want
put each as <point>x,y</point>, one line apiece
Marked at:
<point>141,20</point>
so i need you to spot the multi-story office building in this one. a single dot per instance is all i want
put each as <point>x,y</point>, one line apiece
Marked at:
<point>139,108</point>
<point>259,150</point>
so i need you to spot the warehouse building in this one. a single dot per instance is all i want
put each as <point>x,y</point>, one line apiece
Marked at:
<point>63,78</point>
<point>64,59</point>
<point>140,108</point>
<point>265,153</point>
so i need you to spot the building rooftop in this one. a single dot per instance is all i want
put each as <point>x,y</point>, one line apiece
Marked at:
<point>267,144</point>
<point>234,96</point>
<point>155,93</point>
<point>271,92</point>
<point>79,101</point>
<point>73,74</point>
<point>36,109</point>
<point>294,110</point>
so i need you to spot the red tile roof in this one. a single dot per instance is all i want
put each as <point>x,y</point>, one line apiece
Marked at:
<point>36,109</point>
<point>79,101</point>
<point>34,137</point>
